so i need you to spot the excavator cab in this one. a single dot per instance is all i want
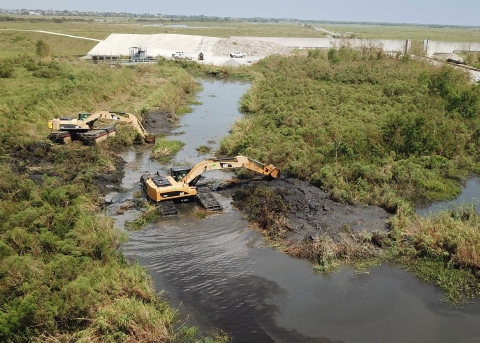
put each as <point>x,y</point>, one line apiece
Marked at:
<point>178,173</point>
<point>83,116</point>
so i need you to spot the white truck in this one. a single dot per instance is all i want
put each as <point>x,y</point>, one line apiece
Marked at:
<point>180,55</point>
<point>237,54</point>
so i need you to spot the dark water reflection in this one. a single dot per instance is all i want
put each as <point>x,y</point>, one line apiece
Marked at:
<point>470,194</point>
<point>219,274</point>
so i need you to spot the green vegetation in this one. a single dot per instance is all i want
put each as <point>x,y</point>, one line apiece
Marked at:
<point>472,59</point>
<point>166,149</point>
<point>148,216</point>
<point>62,276</point>
<point>364,126</point>
<point>203,149</point>
<point>443,248</point>
<point>42,49</point>
<point>369,128</point>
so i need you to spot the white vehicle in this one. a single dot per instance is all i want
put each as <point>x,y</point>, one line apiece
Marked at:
<point>237,54</point>
<point>178,54</point>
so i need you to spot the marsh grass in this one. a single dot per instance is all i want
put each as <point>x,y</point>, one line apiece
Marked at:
<point>203,149</point>
<point>442,248</point>
<point>79,86</point>
<point>329,253</point>
<point>64,254</point>
<point>129,317</point>
<point>338,120</point>
<point>62,276</point>
<point>166,149</point>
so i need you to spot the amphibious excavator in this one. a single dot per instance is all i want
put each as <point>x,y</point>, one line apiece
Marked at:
<point>180,185</point>
<point>64,130</point>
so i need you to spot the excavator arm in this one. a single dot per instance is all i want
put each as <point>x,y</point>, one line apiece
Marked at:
<point>121,116</point>
<point>128,117</point>
<point>229,163</point>
<point>86,121</point>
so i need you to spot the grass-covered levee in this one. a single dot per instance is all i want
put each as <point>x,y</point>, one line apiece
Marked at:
<point>62,278</point>
<point>375,129</point>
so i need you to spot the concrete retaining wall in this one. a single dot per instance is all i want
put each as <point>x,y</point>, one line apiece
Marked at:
<point>432,47</point>
<point>387,45</point>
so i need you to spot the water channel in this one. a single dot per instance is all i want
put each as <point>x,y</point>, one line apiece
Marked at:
<point>470,195</point>
<point>220,274</point>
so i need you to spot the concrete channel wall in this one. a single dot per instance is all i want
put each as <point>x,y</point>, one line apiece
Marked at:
<point>388,45</point>
<point>432,47</point>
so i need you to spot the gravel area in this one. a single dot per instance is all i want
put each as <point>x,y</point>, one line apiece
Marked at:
<point>250,48</point>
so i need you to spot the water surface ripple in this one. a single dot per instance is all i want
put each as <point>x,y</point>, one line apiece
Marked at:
<point>218,272</point>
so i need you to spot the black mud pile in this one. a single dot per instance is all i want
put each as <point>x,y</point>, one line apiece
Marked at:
<point>106,182</point>
<point>308,210</point>
<point>157,122</point>
<point>38,159</point>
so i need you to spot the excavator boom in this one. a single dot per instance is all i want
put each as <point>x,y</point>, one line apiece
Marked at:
<point>230,163</point>
<point>83,126</point>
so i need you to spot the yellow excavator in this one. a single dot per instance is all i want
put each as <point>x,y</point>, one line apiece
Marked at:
<point>180,185</point>
<point>64,130</point>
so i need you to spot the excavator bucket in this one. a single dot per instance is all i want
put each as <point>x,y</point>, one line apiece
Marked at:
<point>150,138</point>
<point>272,171</point>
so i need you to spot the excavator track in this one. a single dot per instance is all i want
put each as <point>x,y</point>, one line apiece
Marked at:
<point>167,208</point>
<point>206,199</point>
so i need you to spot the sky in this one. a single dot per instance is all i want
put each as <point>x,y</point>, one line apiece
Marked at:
<point>445,12</point>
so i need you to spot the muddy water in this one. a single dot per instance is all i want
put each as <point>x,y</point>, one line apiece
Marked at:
<point>470,194</point>
<point>219,274</point>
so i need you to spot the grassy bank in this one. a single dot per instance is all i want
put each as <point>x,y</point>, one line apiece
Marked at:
<point>62,277</point>
<point>39,90</point>
<point>368,128</point>
<point>364,126</point>
<point>442,248</point>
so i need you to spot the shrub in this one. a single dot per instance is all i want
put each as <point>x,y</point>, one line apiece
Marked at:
<point>42,49</point>
<point>7,71</point>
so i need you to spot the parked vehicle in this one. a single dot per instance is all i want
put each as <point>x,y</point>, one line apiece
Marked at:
<point>237,54</point>
<point>178,54</point>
